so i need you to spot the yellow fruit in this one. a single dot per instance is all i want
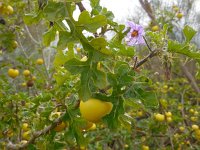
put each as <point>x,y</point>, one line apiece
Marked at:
<point>23,84</point>
<point>169,119</point>
<point>84,58</point>
<point>159,117</point>
<point>181,128</point>
<point>34,78</point>
<point>126,146</point>
<point>175,8</point>
<point>39,61</point>
<point>195,127</point>
<point>165,87</point>
<point>93,109</point>
<point>168,114</point>
<point>194,119</point>
<point>9,10</point>
<point>179,15</point>
<point>144,147</point>
<point>26,73</point>
<point>25,127</point>
<point>196,113</point>
<point>26,135</point>
<point>197,132</point>
<point>191,111</point>
<point>14,44</point>
<point>93,127</point>
<point>78,49</point>
<point>61,126</point>
<point>155,28</point>
<point>140,113</point>
<point>13,73</point>
<point>54,115</point>
<point>171,88</point>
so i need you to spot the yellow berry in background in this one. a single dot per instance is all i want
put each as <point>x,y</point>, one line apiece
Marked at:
<point>194,119</point>
<point>140,113</point>
<point>99,66</point>
<point>196,113</point>
<point>197,132</point>
<point>155,28</point>
<point>14,44</point>
<point>175,8</point>
<point>23,84</point>
<point>26,135</point>
<point>144,147</point>
<point>169,119</point>
<point>13,73</point>
<point>179,15</point>
<point>195,127</point>
<point>93,109</point>
<point>126,146</point>
<point>191,111</point>
<point>159,117</point>
<point>26,73</point>
<point>168,114</point>
<point>25,127</point>
<point>181,128</point>
<point>34,78</point>
<point>39,61</point>
<point>78,49</point>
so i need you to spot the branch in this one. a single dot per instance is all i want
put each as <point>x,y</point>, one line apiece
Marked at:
<point>150,55</point>
<point>190,79</point>
<point>35,135</point>
<point>147,7</point>
<point>30,35</point>
<point>80,6</point>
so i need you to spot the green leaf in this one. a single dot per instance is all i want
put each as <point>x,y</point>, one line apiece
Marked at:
<point>189,33</point>
<point>100,45</point>
<point>49,36</point>
<point>85,92</point>
<point>55,11</point>
<point>61,58</point>
<point>32,18</point>
<point>75,66</point>
<point>99,78</point>
<point>65,38</point>
<point>90,24</point>
<point>175,47</point>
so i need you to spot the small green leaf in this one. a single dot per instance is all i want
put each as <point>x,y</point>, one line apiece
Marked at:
<point>189,33</point>
<point>65,38</point>
<point>49,36</point>
<point>85,92</point>
<point>99,43</point>
<point>32,18</point>
<point>55,11</point>
<point>75,66</point>
<point>99,78</point>
<point>90,24</point>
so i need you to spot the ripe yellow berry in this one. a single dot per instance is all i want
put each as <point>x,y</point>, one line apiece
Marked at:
<point>181,128</point>
<point>168,114</point>
<point>169,119</point>
<point>144,147</point>
<point>155,28</point>
<point>26,73</point>
<point>159,117</point>
<point>195,127</point>
<point>179,15</point>
<point>39,61</point>
<point>13,73</point>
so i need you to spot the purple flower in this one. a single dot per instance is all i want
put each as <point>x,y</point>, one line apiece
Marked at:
<point>135,36</point>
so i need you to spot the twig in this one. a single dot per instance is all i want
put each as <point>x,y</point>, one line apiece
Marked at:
<point>80,6</point>
<point>30,35</point>
<point>35,135</point>
<point>147,43</point>
<point>190,79</point>
<point>150,55</point>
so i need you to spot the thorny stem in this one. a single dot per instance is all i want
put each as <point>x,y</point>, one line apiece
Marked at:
<point>147,44</point>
